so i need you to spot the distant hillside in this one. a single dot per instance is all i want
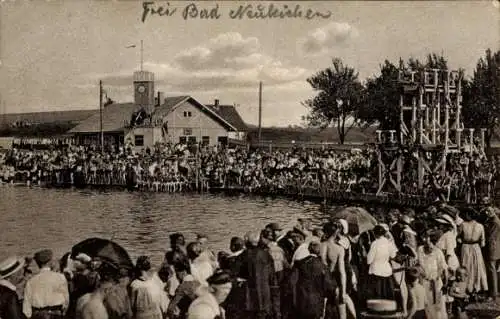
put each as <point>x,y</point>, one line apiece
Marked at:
<point>41,124</point>
<point>312,135</point>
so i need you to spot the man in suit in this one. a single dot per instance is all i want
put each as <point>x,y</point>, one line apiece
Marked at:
<point>258,270</point>
<point>11,274</point>
<point>492,256</point>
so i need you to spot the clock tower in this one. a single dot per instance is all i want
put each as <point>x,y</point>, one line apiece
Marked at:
<point>144,89</point>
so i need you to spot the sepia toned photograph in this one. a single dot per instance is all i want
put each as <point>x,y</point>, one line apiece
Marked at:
<point>249,159</point>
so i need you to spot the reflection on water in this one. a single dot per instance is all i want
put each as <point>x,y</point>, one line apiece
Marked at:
<point>33,218</point>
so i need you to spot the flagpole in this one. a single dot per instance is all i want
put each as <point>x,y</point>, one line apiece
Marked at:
<point>141,55</point>
<point>100,116</point>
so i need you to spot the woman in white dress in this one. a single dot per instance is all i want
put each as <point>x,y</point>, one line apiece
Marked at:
<point>147,295</point>
<point>471,233</point>
<point>448,242</point>
<point>434,269</point>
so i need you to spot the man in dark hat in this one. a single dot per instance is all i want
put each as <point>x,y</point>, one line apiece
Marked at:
<point>237,297</point>
<point>46,294</point>
<point>11,274</point>
<point>207,305</point>
<point>276,230</point>
<point>258,270</point>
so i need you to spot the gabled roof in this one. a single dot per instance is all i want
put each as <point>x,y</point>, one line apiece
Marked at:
<point>45,117</point>
<point>215,115</point>
<point>169,104</point>
<point>230,114</point>
<point>114,117</point>
<point>172,102</point>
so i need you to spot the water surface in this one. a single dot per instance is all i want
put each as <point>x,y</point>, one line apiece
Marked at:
<point>37,218</point>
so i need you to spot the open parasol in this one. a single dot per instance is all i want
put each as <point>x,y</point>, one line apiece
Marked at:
<point>105,250</point>
<point>358,218</point>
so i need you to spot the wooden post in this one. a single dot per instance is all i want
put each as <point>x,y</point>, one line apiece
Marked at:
<point>399,169</point>
<point>100,116</point>
<point>401,119</point>
<point>197,168</point>
<point>421,172</point>
<point>260,111</point>
<point>458,113</point>
<point>414,119</point>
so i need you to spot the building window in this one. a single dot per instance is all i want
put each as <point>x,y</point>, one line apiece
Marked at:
<point>191,140</point>
<point>188,131</point>
<point>187,113</point>
<point>205,140</point>
<point>182,140</point>
<point>139,140</point>
<point>222,140</point>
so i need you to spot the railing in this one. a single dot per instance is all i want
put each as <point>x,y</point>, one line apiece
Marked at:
<point>270,145</point>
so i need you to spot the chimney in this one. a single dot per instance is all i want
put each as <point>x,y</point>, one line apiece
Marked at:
<point>216,104</point>
<point>160,98</point>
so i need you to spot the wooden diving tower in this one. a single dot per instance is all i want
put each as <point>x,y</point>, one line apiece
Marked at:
<point>431,128</point>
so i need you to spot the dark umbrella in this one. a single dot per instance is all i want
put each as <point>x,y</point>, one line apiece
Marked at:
<point>105,250</point>
<point>358,218</point>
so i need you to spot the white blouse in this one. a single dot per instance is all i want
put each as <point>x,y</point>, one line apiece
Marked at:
<point>382,250</point>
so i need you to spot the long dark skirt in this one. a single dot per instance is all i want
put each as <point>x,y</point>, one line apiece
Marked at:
<point>420,314</point>
<point>381,287</point>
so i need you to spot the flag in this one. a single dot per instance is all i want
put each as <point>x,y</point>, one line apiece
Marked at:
<point>104,96</point>
<point>106,100</point>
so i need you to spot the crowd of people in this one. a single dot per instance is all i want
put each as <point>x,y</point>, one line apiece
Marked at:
<point>470,176</point>
<point>399,266</point>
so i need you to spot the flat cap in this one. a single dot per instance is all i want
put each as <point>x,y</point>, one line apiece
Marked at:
<point>43,257</point>
<point>274,226</point>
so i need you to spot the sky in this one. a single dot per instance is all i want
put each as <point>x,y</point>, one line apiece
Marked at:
<point>53,53</point>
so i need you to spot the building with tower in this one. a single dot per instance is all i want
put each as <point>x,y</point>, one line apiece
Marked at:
<point>153,118</point>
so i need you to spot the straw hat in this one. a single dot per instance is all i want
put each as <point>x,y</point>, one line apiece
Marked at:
<point>345,226</point>
<point>10,266</point>
<point>445,219</point>
<point>405,219</point>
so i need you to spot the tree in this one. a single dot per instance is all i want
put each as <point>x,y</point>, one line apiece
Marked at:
<point>481,105</point>
<point>338,98</point>
<point>381,99</point>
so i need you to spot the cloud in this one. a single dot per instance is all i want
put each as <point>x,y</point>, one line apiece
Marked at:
<point>228,61</point>
<point>227,50</point>
<point>322,39</point>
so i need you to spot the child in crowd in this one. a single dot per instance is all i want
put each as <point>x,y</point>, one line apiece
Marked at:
<point>458,291</point>
<point>416,295</point>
